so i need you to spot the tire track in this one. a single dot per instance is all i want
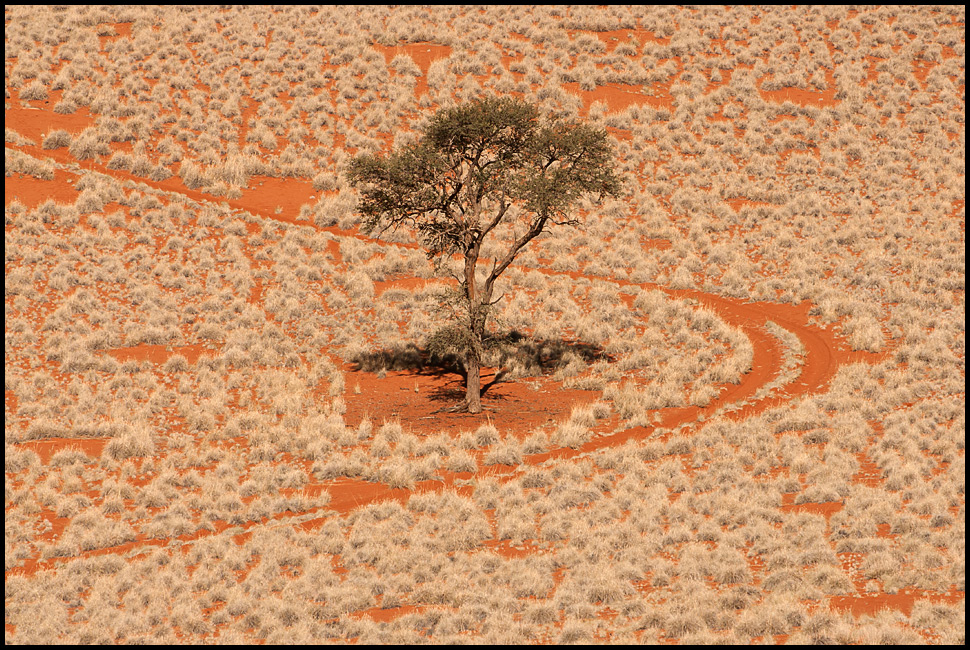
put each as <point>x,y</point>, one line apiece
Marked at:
<point>823,350</point>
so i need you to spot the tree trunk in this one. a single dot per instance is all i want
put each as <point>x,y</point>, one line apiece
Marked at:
<point>476,329</point>
<point>473,384</point>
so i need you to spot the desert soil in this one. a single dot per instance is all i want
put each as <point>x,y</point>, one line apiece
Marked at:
<point>741,418</point>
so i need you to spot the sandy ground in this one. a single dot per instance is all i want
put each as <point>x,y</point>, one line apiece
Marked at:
<point>315,449</point>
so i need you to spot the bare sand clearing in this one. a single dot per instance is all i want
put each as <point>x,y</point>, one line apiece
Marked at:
<point>738,415</point>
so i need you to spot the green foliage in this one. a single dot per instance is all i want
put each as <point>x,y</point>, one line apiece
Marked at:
<point>449,342</point>
<point>456,182</point>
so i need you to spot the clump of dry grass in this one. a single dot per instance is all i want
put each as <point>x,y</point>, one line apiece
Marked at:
<point>17,162</point>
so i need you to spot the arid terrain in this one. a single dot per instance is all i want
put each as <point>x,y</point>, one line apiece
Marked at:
<point>729,408</point>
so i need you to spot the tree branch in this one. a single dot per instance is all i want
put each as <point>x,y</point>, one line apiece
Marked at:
<point>503,208</point>
<point>529,235</point>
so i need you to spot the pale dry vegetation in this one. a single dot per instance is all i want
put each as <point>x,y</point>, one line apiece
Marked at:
<point>207,494</point>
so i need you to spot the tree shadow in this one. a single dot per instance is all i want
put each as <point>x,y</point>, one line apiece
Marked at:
<point>536,357</point>
<point>542,356</point>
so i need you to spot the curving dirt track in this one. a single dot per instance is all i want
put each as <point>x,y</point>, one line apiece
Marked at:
<point>825,352</point>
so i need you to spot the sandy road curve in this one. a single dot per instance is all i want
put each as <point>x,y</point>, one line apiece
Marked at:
<point>824,354</point>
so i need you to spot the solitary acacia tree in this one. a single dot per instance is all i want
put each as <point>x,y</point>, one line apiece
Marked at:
<point>458,181</point>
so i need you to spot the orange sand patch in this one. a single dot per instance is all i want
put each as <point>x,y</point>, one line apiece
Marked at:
<point>423,54</point>
<point>91,447</point>
<point>617,96</point>
<point>416,399</point>
<point>902,601</point>
<point>279,197</point>
<point>32,192</point>
<point>158,353</point>
<point>35,123</point>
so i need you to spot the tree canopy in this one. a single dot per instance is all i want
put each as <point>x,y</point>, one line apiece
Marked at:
<point>457,182</point>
